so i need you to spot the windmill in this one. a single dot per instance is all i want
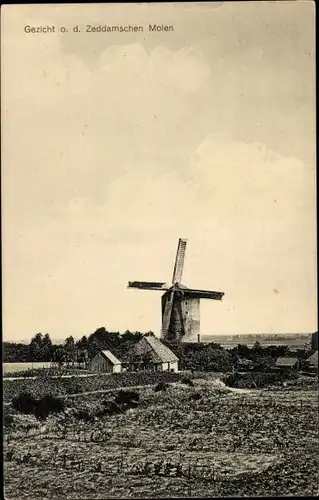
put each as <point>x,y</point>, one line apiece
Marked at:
<point>180,305</point>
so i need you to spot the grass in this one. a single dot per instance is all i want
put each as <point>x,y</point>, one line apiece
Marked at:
<point>64,386</point>
<point>223,443</point>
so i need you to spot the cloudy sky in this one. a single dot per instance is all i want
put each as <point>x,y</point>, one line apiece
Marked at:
<point>114,145</point>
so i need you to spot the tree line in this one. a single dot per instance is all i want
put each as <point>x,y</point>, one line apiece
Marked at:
<point>41,347</point>
<point>193,356</point>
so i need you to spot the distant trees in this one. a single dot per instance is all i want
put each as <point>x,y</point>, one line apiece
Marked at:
<point>71,352</point>
<point>16,352</point>
<point>41,348</point>
<point>202,357</point>
<point>192,356</point>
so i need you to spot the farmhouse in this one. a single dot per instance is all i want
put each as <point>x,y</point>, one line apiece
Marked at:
<point>105,361</point>
<point>286,364</point>
<point>150,354</point>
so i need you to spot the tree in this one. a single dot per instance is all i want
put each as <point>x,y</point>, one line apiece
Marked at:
<point>47,348</point>
<point>149,334</point>
<point>70,350</point>
<point>59,356</point>
<point>36,347</point>
<point>82,343</point>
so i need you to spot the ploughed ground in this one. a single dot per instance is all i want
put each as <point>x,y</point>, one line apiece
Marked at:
<point>204,440</point>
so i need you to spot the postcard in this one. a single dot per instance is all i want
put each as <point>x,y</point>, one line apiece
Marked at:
<point>160,335</point>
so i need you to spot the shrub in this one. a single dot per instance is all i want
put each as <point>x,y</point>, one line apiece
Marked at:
<point>84,414</point>
<point>48,404</point>
<point>257,380</point>
<point>195,396</point>
<point>187,381</point>
<point>127,397</point>
<point>25,403</point>
<point>7,418</point>
<point>111,407</point>
<point>162,386</point>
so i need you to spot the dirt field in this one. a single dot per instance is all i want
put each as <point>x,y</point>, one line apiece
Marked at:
<point>20,367</point>
<point>186,442</point>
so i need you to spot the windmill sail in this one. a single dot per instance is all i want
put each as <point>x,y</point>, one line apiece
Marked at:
<point>203,294</point>
<point>147,285</point>
<point>179,262</point>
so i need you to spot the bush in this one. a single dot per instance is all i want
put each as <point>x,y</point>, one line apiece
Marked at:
<point>187,381</point>
<point>127,397</point>
<point>162,386</point>
<point>25,403</point>
<point>48,404</point>
<point>258,380</point>
<point>111,408</point>
<point>84,414</point>
<point>7,418</point>
<point>195,396</point>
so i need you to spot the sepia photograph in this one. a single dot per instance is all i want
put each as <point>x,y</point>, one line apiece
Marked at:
<point>159,250</point>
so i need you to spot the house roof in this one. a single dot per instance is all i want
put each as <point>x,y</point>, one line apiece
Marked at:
<point>159,352</point>
<point>164,353</point>
<point>286,362</point>
<point>313,359</point>
<point>111,357</point>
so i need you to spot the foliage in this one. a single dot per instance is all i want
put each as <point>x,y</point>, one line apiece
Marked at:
<point>161,386</point>
<point>25,403</point>
<point>195,396</point>
<point>192,356</point>
<point>187,381</point>
<point>47,405</point>
<point>257,380</point>
<point>41,408</point>
<point>127,396</point>
<point>64,386</point>
<point>73,352</point>
<point>7,417</point>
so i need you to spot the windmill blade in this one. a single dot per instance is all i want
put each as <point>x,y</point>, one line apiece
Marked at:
<point>179,261</point>
<point>167,314</point>
<point>203,294</point>
<point>147,285</point>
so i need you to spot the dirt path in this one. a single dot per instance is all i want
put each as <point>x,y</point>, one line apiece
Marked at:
<point>104,391</point>
<point>84,375</point>
<point>234,389</point>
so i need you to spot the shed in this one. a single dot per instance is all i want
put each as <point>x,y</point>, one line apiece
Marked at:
<point>286,363</point>
<point>105,361</point>
<point>151,354</point>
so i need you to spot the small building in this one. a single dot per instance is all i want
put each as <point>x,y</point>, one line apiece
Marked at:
<point>286,364</point>
<point>106,362</point>
<point>313,362</point>
<point>151,354</point>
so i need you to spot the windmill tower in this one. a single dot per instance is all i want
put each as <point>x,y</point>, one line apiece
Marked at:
<point>180,305</point>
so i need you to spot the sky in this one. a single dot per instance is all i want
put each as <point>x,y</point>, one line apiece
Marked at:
<point>114,145</point>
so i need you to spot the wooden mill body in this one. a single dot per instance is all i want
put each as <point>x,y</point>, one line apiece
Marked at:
<point>185,319</point>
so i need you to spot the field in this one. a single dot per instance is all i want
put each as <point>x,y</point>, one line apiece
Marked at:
<point>188,441</point>
<point>293,344</point>
<point>61,386</point>
<point>20,367</point>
